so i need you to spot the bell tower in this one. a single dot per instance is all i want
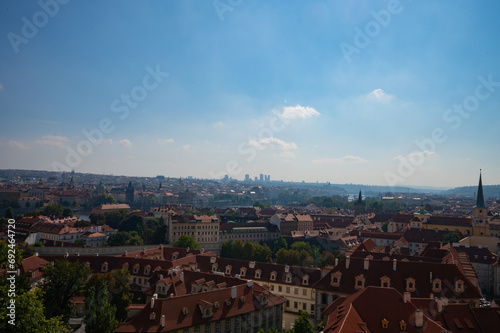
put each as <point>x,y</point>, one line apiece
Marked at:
<point>480,226</point>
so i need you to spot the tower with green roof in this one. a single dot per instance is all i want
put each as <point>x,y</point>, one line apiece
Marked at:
<point>480,226</point>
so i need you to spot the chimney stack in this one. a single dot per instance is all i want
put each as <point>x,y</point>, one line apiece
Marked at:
<point>336,261</point>
<point>439,303</point>
<point>406,297</point>
<point>367,263</point>
<point>249,283</point>
<point>394,264</point>
<point>347,261</point>
<point>162,321</point>
<point>419,318</point>
<point>234,292</point>
<point>152,302</point>
<point>430,277</point>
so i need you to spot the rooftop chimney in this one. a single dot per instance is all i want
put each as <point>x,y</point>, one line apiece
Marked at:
<point>287,269</point>
<point>406,297</point>
<point>430,277</point>
<point>251,264</point>
<point>234,292</point>
<point>162,321</point>
<point>155,296</point>
<point>367,263</point>
<point>160,277</point>
<point>152,302</point>
<point>347,261</point>
<point>336,261</point>
<point>439,304</point>
<point>419,318</point>
<point>394,264</point>
<point>249,283</point>
<point>213,259</point>
<point>182,276</point>
<point>479,246</point>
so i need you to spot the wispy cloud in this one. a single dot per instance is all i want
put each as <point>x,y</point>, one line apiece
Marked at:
<point>344,159</point>
<point>299,112</point>
<point>219,124</point>
<point>417,156</point>
<point>126,143</point>
<point>380,95</point>
<point>272,143</point>
<point>165,141</point>
<point>18,145</point>
<point>186,147</point>
<point>53,140</point>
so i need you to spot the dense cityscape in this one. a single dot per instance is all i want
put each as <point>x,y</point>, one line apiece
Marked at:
<point>131,254</point>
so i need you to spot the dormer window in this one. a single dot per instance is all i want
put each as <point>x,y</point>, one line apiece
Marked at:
<point>305,280</point>
<point>229,268</point>
<point>243,271</point>
<point>335,282</point>
<point>288,278</point>
<point>459,286</point>
<point>104,267</point>
<point>125,265</point>
<point>402,325</point>
<point>215,267</point>
<point>385,282</point>
<point>273,275</point>
<point>436,285</point>
<point>184,310</point>
<point>385,323</point>
<point>152,316</point>
<point>258,273</point>
<point>359,282</point>
<point>147,269</point>
<point>136,268</point>
<point>410,284</point>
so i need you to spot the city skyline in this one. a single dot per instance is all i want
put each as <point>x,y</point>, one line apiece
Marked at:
<point>351,92</point>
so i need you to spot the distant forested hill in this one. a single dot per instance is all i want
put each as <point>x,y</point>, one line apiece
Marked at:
<point>490,191</point>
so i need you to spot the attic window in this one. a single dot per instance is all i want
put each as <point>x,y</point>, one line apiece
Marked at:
<point>305,280</point>
<point>104,267</point>
<point>385,282</point>
<point>229,268</point>
<point>402,325</point>
<point>436,285</point>
<point>216,305</point>
<point>336,279</point>
<point>410,284</point>
<point>360,282</point>
<point>459,286</point>
<point>385,323</point>
<point>152,316</point>
<point>147,269</point>
<point>242,299</point>
<point>243,271</point>
<point>184,310</point>
<point>273,276</point>
<point>136,269</point>
<point>288,278</point>
<point>215,267</point>
<point>125,265</point>
<point>258,273</point>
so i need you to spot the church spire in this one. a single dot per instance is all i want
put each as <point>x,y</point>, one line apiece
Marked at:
<point>360,198</point>
<point>480,196</point>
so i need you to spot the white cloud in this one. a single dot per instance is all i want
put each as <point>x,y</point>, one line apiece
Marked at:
<point>417,157</point>
<point>298,111</point>
<point>18,145</point>
<point>272,143</point>
<point>186,147</point>
<point>219,124</point>
<point>380,95</point>
<point>126,143</point>
<point>52,140</point>
<point>345,159</point>
<point>107,141</point>
<point>165,141</point>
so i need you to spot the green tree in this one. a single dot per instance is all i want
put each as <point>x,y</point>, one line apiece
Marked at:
<point>227,249</point>
<point>119,238</point>
<point>103,199</point>
<point>78,241</point>
<point>301,246</point>
<point>452,237</point>
<point>302,324</point>
<point>135,240</point>
<point>280,243</point>
<point>282,256</point>
<point>63,280</point>
<point>133,223</point>
<point>119,291</point>
<point>249,251</point>
<point>238,252</point>
<point>326,258</point>
<point>159,234</point>
<point>262,253</point>
<point>384,226</point>
<point>100,316</point>
<point>30,315</point>
<point>186,241</point>
<point>81,224</point>
<point>9,213</point>
<point>28,204</point>
<point>113,219</point>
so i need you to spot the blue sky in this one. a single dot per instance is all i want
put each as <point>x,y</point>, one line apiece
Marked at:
<point>339,91</point>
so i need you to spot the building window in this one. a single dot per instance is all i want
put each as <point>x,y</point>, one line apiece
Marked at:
<point>410,284</point>
<point>287,290</point>
<point>304,306</point>
<point>228,325</point>
<point>237,324</point>
<point>304,292</point>
<point>273,276</point>
<point>335,282</point>
<point>258,274</point>
<point>402,325</point>
<point>208,328</point>
<point>459,286</point>
<point>385,323</point>
<point>296,291</point>
<point>436,285</point>
<point>305,280</point>
<point>295,305</point>
<point>217,327</point>
<point>360,282</point>
<point>228,269</point>
<point>280,289</point>
<point>385,282</point>
<point>288,278</point>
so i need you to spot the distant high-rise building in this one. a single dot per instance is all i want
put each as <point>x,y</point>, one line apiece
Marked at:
<point>247,177</point>
<point>261,177</point>
<point>256,179</point>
